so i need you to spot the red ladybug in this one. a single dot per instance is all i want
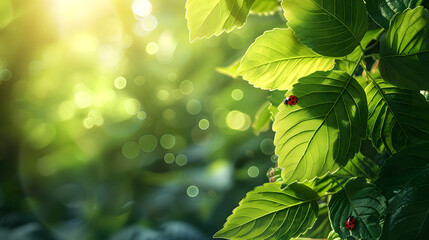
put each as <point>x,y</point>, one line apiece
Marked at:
<point>350,223</point>
<point>291,100</point>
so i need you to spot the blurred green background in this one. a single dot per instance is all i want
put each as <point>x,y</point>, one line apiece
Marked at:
<point>114,126</point>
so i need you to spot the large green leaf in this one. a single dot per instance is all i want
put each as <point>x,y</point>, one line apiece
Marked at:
<point>381,11</point>
<point>410,214</point>
<point>397,117</point>
<point>208,18</point>
<point>276,60</point>
<point>403,168</point>
<point>265,7</point>
<point>324,130</point>
<point>365,203</point>
<point>404,51</point>
<point>271,213</point>
<point>331,28</point>
<point>359,166</point>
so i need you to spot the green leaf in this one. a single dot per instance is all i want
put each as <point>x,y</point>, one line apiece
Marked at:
<point>276,60</point>
<point>365,203</point>
<point>403,168</point>
<point>324,130</point>
<point>262,119</point>
<point>382,11</point>
<point>404,51</point>
<point>277,97</point>
<point>333,236</point>
<point>349,62</point>
<point>397,117</point>
<point>208,18</point>
<point>326,185</point>
<point>331,28</point>
<point>230,70</point>
<point>271,213</point>
<point>265,7</point>
<point>410,214</point>
<point>359,166</point>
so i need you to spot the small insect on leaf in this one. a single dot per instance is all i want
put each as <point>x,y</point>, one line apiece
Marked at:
<point>291,100</point>
<point>350,223</point>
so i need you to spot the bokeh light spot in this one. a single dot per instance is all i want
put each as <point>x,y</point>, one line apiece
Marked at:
<point>267,146</point>
<point>141,8</point>
<point>169,114</point>
<point>120,82</point>
<point>187,87</point>
<point>238,121</point>
<point>168,141</point>
<point>169,158</point>
<point>152,48</point>
<point>88,123</point>
<point>148,143</point>
<point>83,99</point>
<point>181,160</point>
<point>141,115</point>
<point>66,110</point>
<point>237,94</point>
<point>172,76</point>
<point>149,23</point>
<point>192,191</point>
<point>5,74</point>
<point>253,171</point>
<point>132,106</point>
<point>35,66</point>
<point>274,158</point>
<point>203,124</point>
<point>130,150</point>
<point>193,106</point>
<point>163,95</point>
<point>96,117</point>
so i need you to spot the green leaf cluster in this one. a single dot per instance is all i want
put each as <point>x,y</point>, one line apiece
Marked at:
<point>357,69</point>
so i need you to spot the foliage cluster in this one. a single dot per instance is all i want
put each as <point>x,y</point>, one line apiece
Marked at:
<point>356,144</point>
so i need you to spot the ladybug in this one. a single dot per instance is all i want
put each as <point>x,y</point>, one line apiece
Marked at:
<point>291,100</point>
<point>350,223</point>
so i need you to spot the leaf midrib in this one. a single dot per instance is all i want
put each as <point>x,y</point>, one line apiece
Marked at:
<point>352,206</point>
<point>281,60</point>
<point>406,55</point>
<point>380,90</point>
<point>272,212</point>
<point>324,119</point>
<point>335,17</point>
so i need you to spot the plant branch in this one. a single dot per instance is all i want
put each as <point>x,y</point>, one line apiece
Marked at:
<point>376,55</point>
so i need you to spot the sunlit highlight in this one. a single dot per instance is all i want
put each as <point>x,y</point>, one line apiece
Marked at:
<point>83,99</point>
<point>238,120</point>
<point>152,48</point>
<point>120,82</point>
<point>141,8</point>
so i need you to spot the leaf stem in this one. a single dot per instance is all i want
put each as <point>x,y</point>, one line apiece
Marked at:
<point>373,45</point>
<point>376,55</point>
<point>357,63</point>
<point>367,72</point>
